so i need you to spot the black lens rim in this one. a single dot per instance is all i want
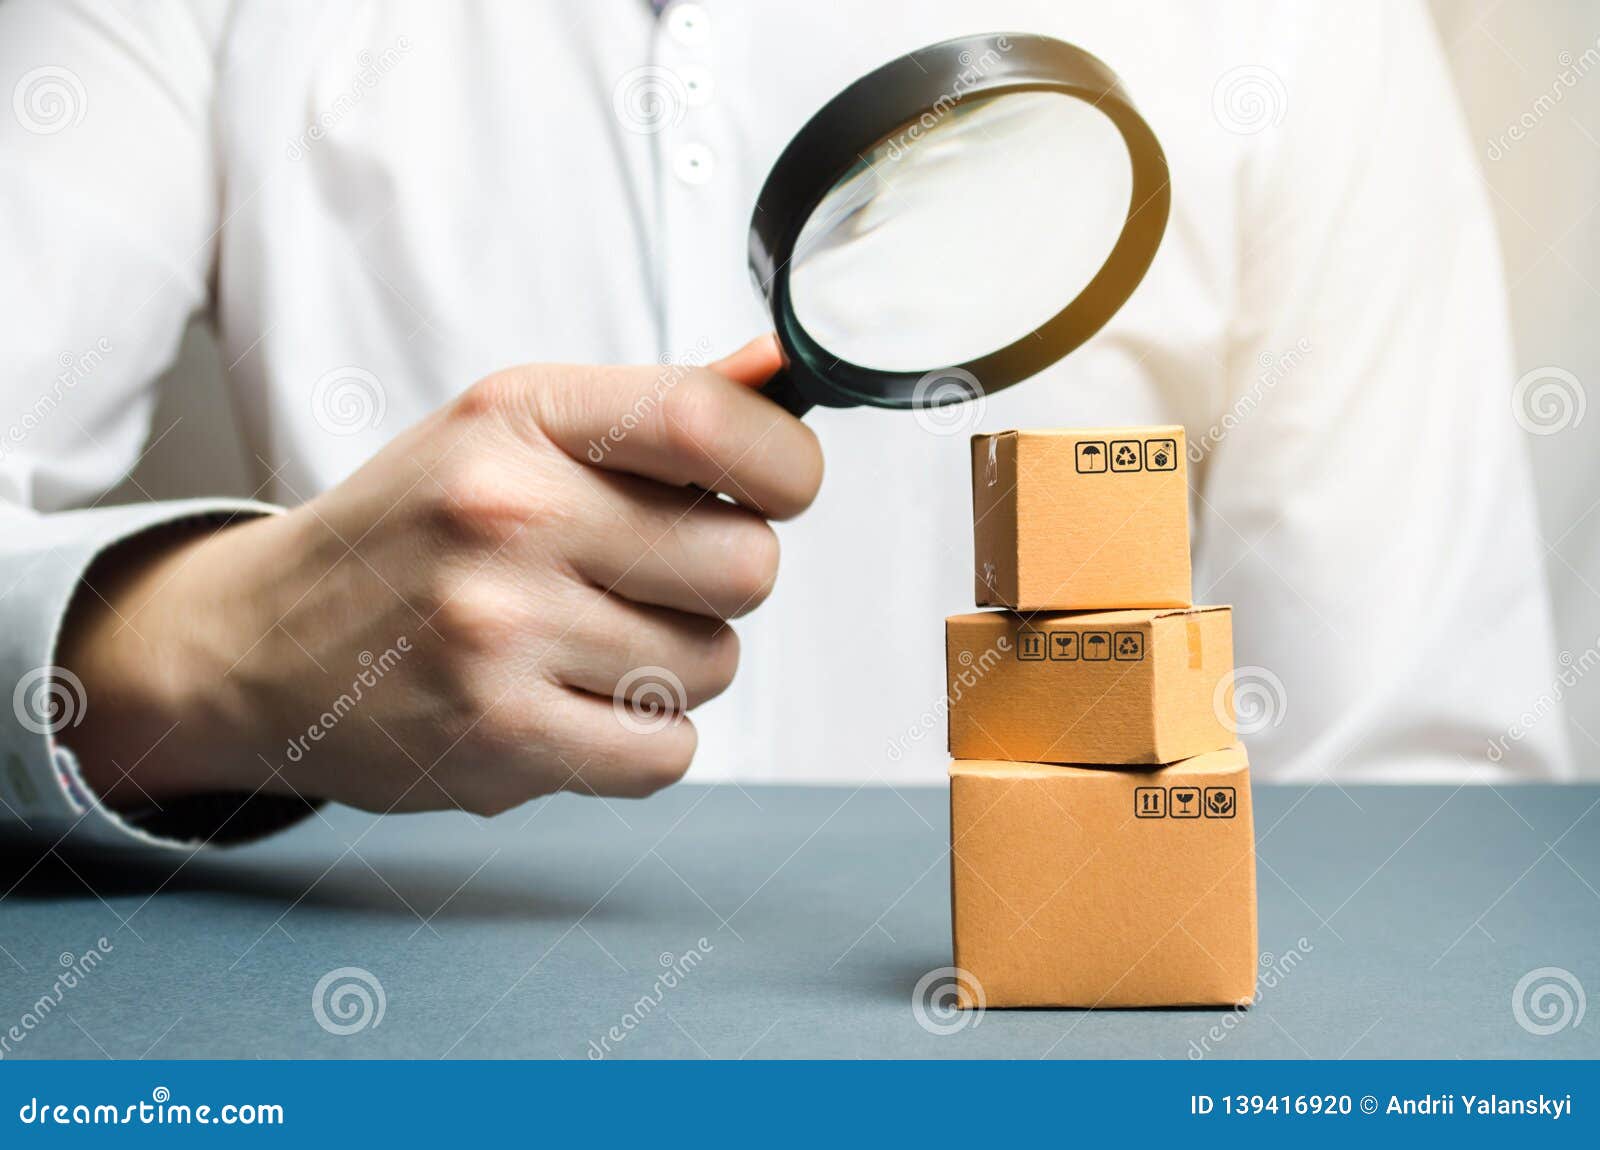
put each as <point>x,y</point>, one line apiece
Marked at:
<point>885,102</point>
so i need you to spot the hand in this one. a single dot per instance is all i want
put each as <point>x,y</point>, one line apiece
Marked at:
<point>448,626</point>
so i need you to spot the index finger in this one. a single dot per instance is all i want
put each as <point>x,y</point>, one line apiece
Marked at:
<point>681,425</point>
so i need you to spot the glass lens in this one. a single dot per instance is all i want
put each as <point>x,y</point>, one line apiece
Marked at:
<point>963,232</point>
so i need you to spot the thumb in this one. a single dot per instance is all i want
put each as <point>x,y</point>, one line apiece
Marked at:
<point>754,363</point>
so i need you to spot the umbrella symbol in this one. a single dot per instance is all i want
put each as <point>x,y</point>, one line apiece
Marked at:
<point>1090,457</point>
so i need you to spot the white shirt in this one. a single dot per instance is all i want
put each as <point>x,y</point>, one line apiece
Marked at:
<point>380,203</point>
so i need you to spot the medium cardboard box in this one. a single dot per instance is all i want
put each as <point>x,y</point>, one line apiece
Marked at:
<point>1102,687</point>
<point>1089,518</point>
<point>1085,887</point>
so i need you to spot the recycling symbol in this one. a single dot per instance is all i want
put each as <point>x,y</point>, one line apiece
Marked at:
<point>1126,456</point>
<point>1128,646</point>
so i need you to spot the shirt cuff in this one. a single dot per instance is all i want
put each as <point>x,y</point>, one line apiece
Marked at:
<point>43,559</point>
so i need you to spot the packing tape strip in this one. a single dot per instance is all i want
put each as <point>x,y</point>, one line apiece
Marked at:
<point>1196,653</point>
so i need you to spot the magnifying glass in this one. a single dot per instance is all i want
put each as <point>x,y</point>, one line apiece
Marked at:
<point>955,222</point>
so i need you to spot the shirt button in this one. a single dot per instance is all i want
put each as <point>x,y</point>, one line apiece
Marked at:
<point>694,164</point>
<point>689,23</point>
<point>698,85</point>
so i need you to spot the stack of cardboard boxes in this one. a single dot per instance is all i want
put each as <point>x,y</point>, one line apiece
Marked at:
<point>1102,849</point>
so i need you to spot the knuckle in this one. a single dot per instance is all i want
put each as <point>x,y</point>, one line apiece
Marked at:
<point>808,469</point>
<point>489,803</point>
<point>751,567</point>
<point>490,395</point>
<point>477,502</point>
<point>694,419</point>
<point>800,478</point>
<point>665,755</point>
<point>493,395</point>
<point>721,662</point>
<point>472,618</point>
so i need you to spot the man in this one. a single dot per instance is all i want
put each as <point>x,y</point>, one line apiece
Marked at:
<point>405,219</point>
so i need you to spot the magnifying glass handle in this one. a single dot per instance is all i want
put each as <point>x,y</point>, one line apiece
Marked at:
<point>782,391</point>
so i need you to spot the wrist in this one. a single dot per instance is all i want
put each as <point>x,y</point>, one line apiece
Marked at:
<point>149,633</point>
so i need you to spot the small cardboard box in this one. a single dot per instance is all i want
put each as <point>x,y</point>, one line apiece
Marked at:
<point>1084,887</point>
<point>1114,688</point>
<point>1089,518</point>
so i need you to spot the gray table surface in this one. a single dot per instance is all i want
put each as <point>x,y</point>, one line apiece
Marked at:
<point>533,934</point>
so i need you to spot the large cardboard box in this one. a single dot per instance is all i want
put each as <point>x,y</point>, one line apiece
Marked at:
<point>1088,518</point>
<point>1102,687</point>
<point>1083,887</point>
